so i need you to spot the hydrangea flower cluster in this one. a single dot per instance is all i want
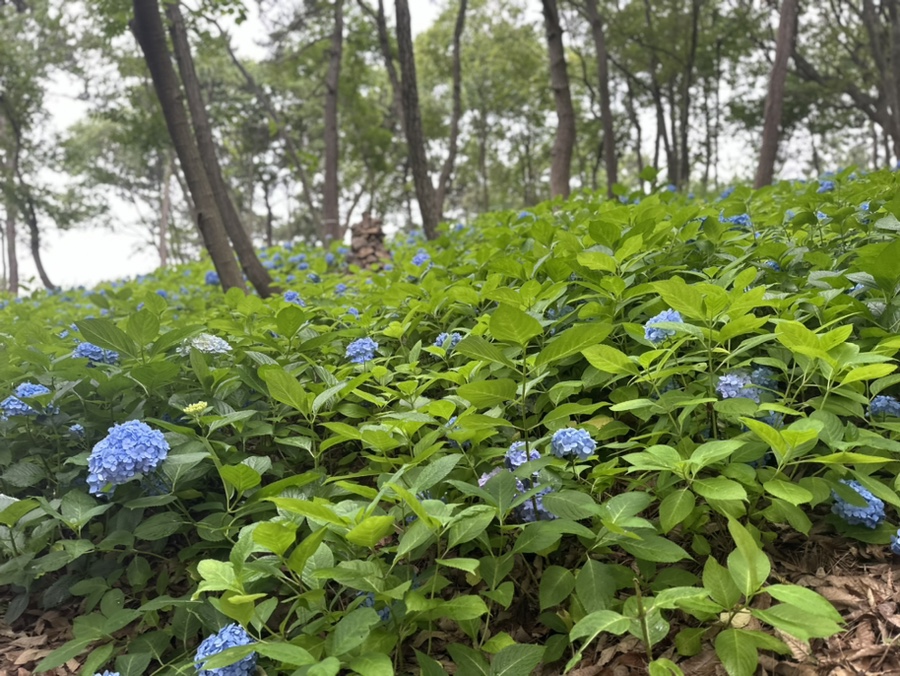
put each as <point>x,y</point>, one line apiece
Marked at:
<point>740,220</point>
<point>313,278</point>
<point>77,430</point>
<point>340,289</point>
<point>368,601</point>
<point>212,278</point>
<point>825,186</point>
<point>737,384</point>
<point>869,515</point>
<point>895,543</point>
<point>353,311</point>
<point>656,335</point>
<point>421,257</point>
<point>329,258</point>
<point>487,476</point>
<point>572,442</point>
<point>294,297</point>
<point>362,350</point>
<point>129,449</point>
<point>516,456</point>
<point>764,377</point>
<point>13,405</point>
<point>230,636</point>
<point>884,405</point>
<point>447,340</point>
<point>533,508</point>
<point>773,265</point>
<point>107,673</point>
<point>95,354</point>
<point>206,343</point>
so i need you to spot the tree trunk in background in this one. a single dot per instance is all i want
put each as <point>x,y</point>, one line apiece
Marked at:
<point>447,170</point>
<point>684,172</point>
<point>384,43</point>
<point>35,236</point>
<point>415,137</point>
<point>11,170</point>
<point>165,210</point>
<point>149,32</point>
<point>771,134</point>
<point>564,143</point>
<point>606,117</point>
<point>240,240</point>
<point>661,132</point>
<point>331,216</point>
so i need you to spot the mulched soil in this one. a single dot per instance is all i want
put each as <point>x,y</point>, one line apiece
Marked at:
<point>860,580</point>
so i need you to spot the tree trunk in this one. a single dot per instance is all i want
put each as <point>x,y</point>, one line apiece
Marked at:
<point>687,81</point>
<point>240,240</point>
<point>11,170</point>
<point>415,137</point>
<point>771,134</point>
<point>564,143</point>
<point>606,118</point>
<point>35,237</point>
<point>447,170</point>
<point>331,217</point>
<point>165,210</point>
<point>384,43</point>
<point>655,91</point>
<point>148,30</point>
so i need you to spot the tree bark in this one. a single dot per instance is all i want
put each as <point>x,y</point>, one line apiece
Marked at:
<point>384,43</point>
<point>165,210</point>
<point>771,134</point>
<point>606,118</point>
<point>11,170</point>
<point>564,142</point>
<point>331,217</point>
<point>445,179</point>
<point>240,240</point>
<point>687,81</point>
<point>35,237</point>
<point>415,137</point>
<point>655,91</point>
<point>148,30</point>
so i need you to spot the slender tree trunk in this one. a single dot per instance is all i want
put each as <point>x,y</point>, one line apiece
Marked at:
<point>35,237</point>
<point>656,92</point>
<point>874,132</point>
<point>482,169</point>
<point>564,142</point>
<point>11,171</point>
<point>446,176</point>
<point>148,29</point>
<point>384,44</point>
<point>771,134</point>
<point>415,137</point>
<point>270,216</point>
<point>165,209</point>
<point>686,84</point>
<point>331,217</point>
<point>636,123</point>
<point>240,240</point>
<point>606,117</point>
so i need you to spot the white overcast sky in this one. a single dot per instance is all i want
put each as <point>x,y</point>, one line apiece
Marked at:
<point>88,256</point>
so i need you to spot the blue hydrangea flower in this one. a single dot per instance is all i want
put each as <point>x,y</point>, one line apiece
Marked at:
<point>269,265</point>
<point>129,449</point>
<point>340,289</point>
<point>572,442</point>
<point>764,377</point>
<point>313,278</point>
<point>362,350</point>
<point>77,430</point>
<point>368,601</point>
<point>869,515</point>
<point>737,384</point>
<point>107,673</point>
<point>303,266</point>
<point>773,265</point>
<point>487,476</point>
<point>825,186</point>
<point>533,508</point>
<point>884,405</point>
<point>727,192</point>
<point>740,220</point>
<point>212,278</point>
<point>231,636</point>
<point>447,340</point>
<point>528,214</point>
<point>671,187</point>
<point>299,258</point>
<point>516,456</point>
<point>343,251</point>
<point>857,288</point>
<point>329,258</point>
<point>162,293</point>
<point>655,335</point>
<point>95,354</point>
<point>294,297</point>
<point>421,258</point>
<point>774,419</point>
<point>206,343</point>
<point>822,216</point>
<point>895,543</point>
<point>388,267</point>
<point>14,405</point>
<point>353,311</point>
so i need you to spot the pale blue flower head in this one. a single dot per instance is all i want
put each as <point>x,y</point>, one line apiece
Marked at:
<point>571,442</point>
<point>212,278</point>
<point>362,350</point>
<point>206,343</point>
<point>129,449</point>
<point>884,405</point>
<point>658,335</point>
<point>869,515</point>
<point>95,354</point>
<point>231,636</point>
<point>447,340</point>
<point>516,456</point>
<point>294,297</point>
<point>421,257</point>
<point>14,405</point>
<point>737,384</point>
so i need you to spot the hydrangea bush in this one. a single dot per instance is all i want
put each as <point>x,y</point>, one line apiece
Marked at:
<point>579,424</point>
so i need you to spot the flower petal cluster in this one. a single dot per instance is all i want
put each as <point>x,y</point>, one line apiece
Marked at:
<point>13,405</point>
<point>329,258</point>
<point>129,449</point>
<point>313,278</point>
<point>571,442</point>
<point>737,384</point>
<point>77,430</point>
<point>516,456</point>
<point>447,340</point>
<point>884,405</point>
<point>206,343</point>
<point>895,543</point>
<point>421,257</point>
<point>825,186</point>
<point>487,476</point>
<point>740,220</point>
<point>773,265</point>
<point>533,508</point>
<point>95,354</point>
<point>231,636</point>
<point>107,673</point>
<point>869,515</point>
<point>657,335</point>
<point>340,289</point>
<point>212,278</point>
<point>764,378</point>
<point>294,297</point>
<point>362,350</point>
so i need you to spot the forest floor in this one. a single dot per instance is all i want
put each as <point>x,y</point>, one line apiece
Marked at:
<point>860,580</point>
